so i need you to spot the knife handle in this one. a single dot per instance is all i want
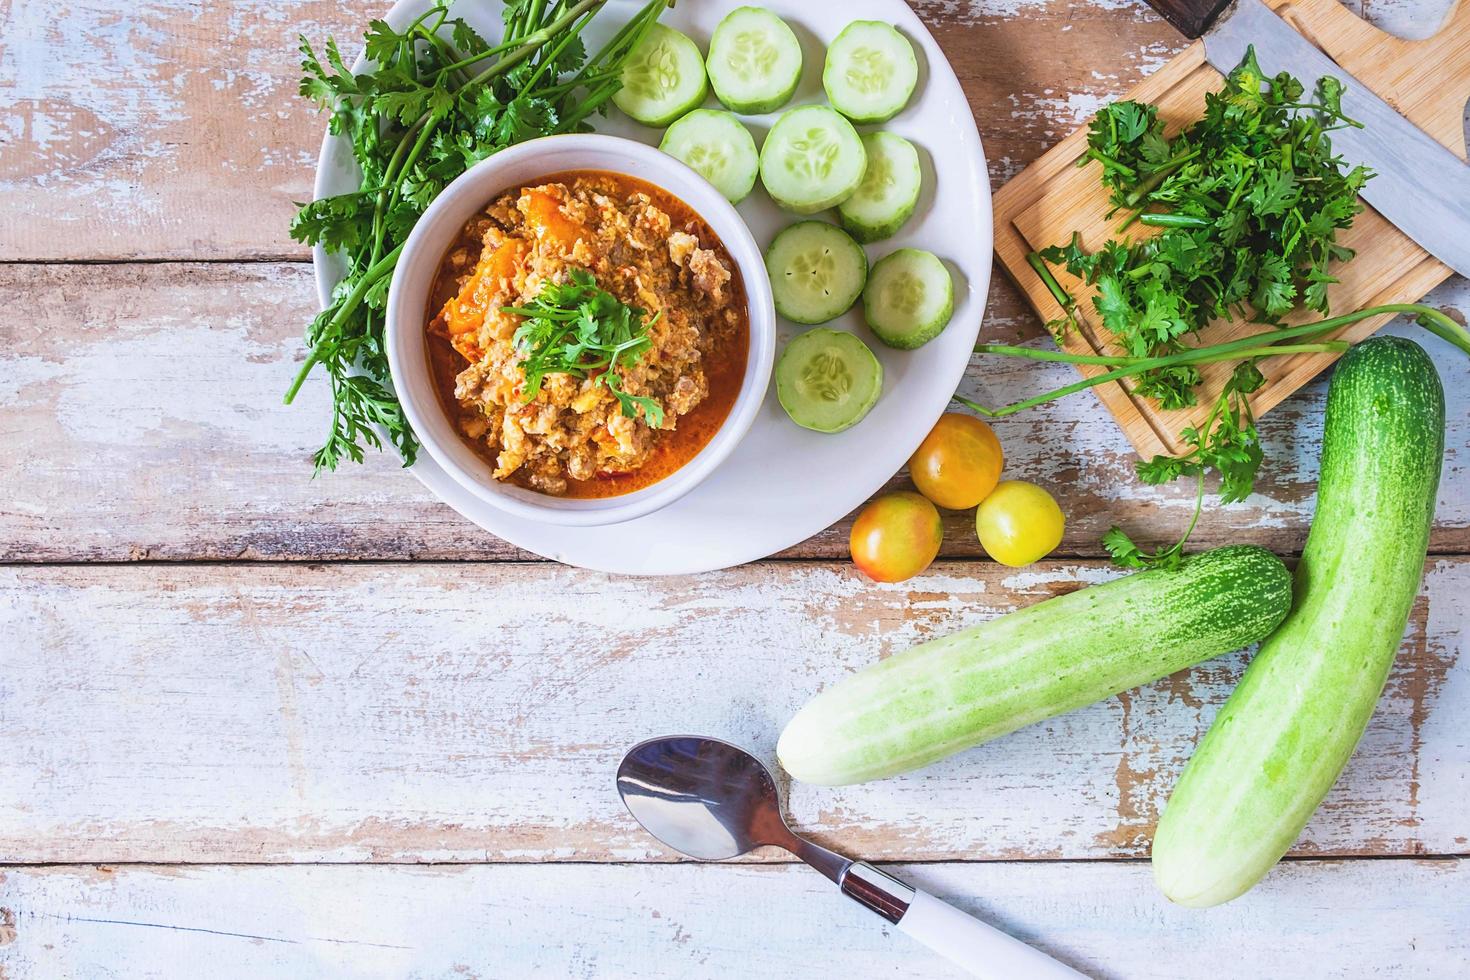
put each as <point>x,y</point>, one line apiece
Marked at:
<point>1191,17</point>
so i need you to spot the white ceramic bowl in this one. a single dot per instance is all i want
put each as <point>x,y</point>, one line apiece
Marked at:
<point>413,277</point>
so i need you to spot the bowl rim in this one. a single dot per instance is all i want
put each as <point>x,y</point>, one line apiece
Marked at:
<point>423,250</point>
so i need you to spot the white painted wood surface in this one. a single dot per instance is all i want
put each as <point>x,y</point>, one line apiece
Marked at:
<point>1360,918</point>
<point>190,703</point>
<point>145,420</point>
<point>477,712</point>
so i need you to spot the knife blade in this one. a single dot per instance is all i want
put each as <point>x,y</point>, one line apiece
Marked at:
<point>1420,186</point>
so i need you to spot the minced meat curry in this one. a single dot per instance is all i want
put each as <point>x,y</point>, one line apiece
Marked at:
<point>650,251</point>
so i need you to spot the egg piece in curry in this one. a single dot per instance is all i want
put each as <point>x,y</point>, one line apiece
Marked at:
<point>587,334</point>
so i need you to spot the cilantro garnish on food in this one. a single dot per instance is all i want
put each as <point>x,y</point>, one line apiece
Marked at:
<point>579,328</point>
<point>435,99</point>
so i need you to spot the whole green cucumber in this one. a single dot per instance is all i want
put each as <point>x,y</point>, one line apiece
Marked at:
<point>952,693</point>
<point>1286,732</point>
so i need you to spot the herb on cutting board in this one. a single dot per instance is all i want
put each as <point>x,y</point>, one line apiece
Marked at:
<point>1248,201</point>
<point>435,99</point>
<point>579,328</point>
<point>1253,198</point>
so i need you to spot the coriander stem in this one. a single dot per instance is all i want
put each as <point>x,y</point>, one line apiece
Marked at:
<point>1174,221</point>
<point>1201,355</point>
<point>533,42</point>
<point>1036,354</point>
<point>344,310</point>
<point>1444,328</point>
<point>1111,164</point>
<point>1063,298</point>
<point>1156,178</point>
<point>1243,348</point>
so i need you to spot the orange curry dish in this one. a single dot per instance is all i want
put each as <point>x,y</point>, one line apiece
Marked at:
<point>575,436</point>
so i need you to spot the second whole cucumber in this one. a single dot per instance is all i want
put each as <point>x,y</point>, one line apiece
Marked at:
<point>956,692</point>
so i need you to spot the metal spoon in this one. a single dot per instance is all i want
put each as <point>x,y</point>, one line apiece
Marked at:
<point>714,801</point>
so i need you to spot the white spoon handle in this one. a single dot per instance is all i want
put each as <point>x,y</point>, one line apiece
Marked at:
<point>979,949</point>
<point>973,946</point>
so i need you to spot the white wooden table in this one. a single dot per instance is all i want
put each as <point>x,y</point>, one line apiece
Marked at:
<point>254,725</point>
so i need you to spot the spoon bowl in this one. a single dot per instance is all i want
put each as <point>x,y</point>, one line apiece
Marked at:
<point>703,797</point>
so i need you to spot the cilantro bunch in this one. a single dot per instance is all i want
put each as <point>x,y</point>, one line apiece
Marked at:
<point>1249,199</point>
<point>579,328</point>
<point>436,99</point>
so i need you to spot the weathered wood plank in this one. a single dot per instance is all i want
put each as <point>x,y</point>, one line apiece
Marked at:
<point>176,132</point>
<point>140,407</point>
<point>1402,918</point>
<point>440,712</point>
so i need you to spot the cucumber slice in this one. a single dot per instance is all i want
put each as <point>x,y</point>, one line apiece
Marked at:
<point>828,380</point>
<point>889,191</point>
<point>870,71</point>
<point>817,272</point>
<point>909,298</point>
<point>812,159</point>
<point>663,78</point>
<point>719,147</point>
<point>754,60</point>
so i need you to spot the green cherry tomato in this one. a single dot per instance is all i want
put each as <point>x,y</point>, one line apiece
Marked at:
<point>1019,523</point>
<point>896,537</point>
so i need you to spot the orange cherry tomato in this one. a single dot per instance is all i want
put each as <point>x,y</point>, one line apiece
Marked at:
<point>896,537</point>
<point>958,463</point>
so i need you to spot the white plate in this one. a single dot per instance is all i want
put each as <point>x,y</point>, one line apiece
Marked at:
<point>783,484</point>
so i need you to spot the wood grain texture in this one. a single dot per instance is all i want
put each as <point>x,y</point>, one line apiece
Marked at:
<point>142,410</point>
<point>1402,919</point>
<point>441,712</point>
<point>1053,199</point>
<point>176,131</point>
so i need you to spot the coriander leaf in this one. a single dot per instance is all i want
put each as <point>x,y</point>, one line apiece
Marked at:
<point>381,42</point>
<point>1112,302</point>
<point>336,223</point>
<point>1120,546</point>
<point>580,329</point>
<point>1276,191</point>
<point>466,39</point>
<point>405,106</point>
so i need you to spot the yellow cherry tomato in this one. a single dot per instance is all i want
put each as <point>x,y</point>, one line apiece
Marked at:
<point>958,464</point>
<point>1019,523</point>
<point>896,537</point>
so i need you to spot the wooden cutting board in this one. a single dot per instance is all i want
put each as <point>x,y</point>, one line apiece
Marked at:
<point>1427,81</point>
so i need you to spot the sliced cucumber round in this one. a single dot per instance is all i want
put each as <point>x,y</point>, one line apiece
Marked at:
<point>719,147</point>
<point>889,191</point>
<point>663,78</point>
<point>828,380</point>
<point>754,60</point>
<point>817,272</point>
<point>870,71</point>
<point>812,159</point>
<point>909,298</point>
